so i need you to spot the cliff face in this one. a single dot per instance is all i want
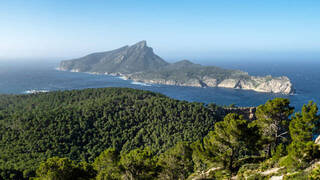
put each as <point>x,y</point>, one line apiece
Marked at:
<point>139,63</point>
<point>259,84</point>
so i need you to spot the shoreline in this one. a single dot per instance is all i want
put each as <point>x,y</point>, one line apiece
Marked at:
<point>175,83</point>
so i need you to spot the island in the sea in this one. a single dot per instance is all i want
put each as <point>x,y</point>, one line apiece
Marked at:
<point>139,63</point>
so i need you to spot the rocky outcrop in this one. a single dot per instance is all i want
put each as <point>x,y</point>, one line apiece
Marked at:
<point>229,83</point>
<point>317,141</point>
<point>190,82</point>
<point>273,85</point>
<point>260,84</point>
<point>211,82</point>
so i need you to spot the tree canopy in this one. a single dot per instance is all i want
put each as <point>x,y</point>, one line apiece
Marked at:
<point>119,133</point>
<point>273,122</point>
<point>231,140</point>
<point>302,148</point>
<point>81,124</point>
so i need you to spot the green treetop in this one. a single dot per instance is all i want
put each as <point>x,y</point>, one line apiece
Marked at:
<point>138,164</point>
<point>302,149</point>
<point>107,165</point>
<point>231,140</point>
<point>273,122</point>
<point>176,163</point>
<point>64,169</point>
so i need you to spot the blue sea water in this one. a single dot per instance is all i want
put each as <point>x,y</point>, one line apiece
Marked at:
<point>21,78</point>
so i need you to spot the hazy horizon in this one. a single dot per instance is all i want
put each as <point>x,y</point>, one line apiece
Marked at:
<point>213,60</point>
<point>195,30</point>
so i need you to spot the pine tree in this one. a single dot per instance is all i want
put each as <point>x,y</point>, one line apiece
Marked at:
<point>176,163</point>
<point>231,140</point>
<point>64,169</point>
<point>138,164</point>
<point>302,149</point>
<point>107,165</point>
<point>273,122</point>
<point>200,157</point>
<point>303,124</point>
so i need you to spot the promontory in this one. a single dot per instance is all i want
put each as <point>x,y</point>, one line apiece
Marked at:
<point>139,63</point>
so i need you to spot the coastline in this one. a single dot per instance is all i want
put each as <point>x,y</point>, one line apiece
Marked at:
<point>235,84</point>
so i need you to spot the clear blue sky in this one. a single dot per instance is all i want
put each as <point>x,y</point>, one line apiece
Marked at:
<point>175,29</point>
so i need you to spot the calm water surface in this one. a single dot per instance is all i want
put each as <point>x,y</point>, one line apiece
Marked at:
<point>20,78</point>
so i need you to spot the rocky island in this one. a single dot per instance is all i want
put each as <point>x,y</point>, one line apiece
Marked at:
<point>139,63</point>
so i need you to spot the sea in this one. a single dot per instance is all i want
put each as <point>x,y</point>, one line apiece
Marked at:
<point>23,77</point>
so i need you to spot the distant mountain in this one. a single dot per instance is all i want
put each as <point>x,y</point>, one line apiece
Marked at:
<point>139,63</point>
<point>128,59</point>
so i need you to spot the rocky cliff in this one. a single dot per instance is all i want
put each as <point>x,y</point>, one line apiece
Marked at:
<point>139,63</point>
<point>260,84</point>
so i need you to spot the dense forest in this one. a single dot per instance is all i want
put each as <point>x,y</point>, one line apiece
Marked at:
<point>120,133</point>
<point>80,124</point>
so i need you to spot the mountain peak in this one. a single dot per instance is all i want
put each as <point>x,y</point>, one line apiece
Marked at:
<point>129,59</point>
<point>141,44</point>
<point>185,61</point>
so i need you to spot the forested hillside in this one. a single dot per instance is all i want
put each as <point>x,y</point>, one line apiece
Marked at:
<point>80,124</point>
<point>127,134</point>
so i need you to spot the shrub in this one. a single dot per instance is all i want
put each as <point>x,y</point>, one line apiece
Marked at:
<point>315,173</point>
<point>300,175</point>
<point>220,174</point>
<point>247,169</point>
<point>257,176</point>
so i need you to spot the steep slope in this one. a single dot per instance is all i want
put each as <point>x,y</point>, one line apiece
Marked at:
<point>128,59</point>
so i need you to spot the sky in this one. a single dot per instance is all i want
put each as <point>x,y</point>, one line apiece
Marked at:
<point>180,29</point>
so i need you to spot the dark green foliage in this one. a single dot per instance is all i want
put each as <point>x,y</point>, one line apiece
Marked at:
<point>315,173</point>
<point>10,174</point>
<point>231,140</point>
<point>64,169</point>
<point>273,122</point>
<point>118,133</point>
<point>277,154</point>
<point>300,154</point>
<point>302,150</point>
<point>177,162</point>
<point>221,174</point>
<point>107,164</point>
<point>303,123</point>
<point>80,124</point>
<point>138,164</point>
<point>200,156</point>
